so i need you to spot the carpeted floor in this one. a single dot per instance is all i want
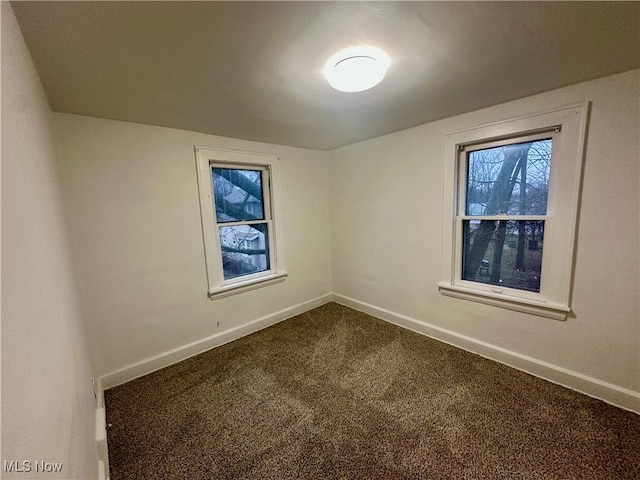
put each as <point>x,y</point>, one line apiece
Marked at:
<point>337,394</point>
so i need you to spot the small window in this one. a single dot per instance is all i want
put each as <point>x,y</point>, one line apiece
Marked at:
<point>509,228</point>
<point>237,210</point>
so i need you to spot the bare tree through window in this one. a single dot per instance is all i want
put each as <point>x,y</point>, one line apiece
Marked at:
<point>510,182</point>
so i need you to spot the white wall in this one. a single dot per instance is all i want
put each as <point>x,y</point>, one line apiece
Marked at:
<point>132,196</point>
<point>47,400</point>
<point>386,204</point>
<point>368,215</point>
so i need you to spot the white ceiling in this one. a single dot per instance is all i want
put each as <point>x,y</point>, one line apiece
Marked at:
<point>252,70</point>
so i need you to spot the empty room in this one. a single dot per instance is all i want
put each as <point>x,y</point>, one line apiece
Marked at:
<point>320,240</point>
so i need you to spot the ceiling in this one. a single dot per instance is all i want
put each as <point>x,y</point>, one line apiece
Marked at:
<point>252,70</point>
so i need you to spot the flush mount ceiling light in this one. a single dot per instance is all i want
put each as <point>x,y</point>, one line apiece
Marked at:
<point>356,69</point>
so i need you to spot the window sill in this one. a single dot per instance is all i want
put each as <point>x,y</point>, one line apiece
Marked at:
<point>533,307</point>
<point>239,287</point>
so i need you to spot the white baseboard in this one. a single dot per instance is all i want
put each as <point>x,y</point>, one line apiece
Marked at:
<point>607,392</point>
<point>178,354</point>
<point>613,394</point>
<point>101,436</point>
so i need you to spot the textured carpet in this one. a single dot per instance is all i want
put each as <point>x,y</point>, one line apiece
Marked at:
<point>337,394</point>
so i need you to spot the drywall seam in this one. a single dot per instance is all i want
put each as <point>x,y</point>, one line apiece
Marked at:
<point>178,354</point>
<point>607,392</point>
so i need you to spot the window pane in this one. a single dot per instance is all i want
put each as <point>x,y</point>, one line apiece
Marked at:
<point>506,253</point>
<point>510,179</point>
<point>238,194</point>
<point>245,250</point>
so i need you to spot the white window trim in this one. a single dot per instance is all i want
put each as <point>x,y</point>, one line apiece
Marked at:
<point>553,301</point>
<point>218,287</point>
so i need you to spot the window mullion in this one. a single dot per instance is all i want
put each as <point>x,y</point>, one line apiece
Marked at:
<point>510,218</point>
<point>242,222</point>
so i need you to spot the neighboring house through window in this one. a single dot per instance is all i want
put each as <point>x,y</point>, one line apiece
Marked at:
<point>510,211</point>
<point>237,204</point>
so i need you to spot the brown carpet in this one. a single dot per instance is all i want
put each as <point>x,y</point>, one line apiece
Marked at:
<point>337,394</point>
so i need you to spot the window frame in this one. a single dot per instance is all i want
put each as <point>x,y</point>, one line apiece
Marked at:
<point>208,158</point>
<point>567,128</point>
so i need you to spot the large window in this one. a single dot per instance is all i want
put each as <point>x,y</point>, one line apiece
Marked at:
<point>237,209</point>
<point>509,227</point>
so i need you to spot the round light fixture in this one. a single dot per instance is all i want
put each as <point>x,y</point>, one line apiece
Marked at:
<point>356,69</point>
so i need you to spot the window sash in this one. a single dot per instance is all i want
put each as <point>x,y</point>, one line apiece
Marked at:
<point>459,247</point>
<point>465,150</point>
<point>244,278</point>
<point>265,187</point>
